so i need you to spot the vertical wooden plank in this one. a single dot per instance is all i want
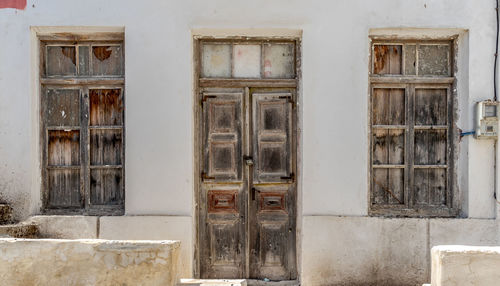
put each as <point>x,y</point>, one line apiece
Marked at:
<point>437,187</point>
<point>106,107</point>
<point>421,144</point>
<point>396,147</point>
<point>410,183</point>
<point>421,186</point>
<point>410,61</point>
<point>380,112</point>
<point>61,60</point>
<point>430,147</point>
<point>107,60</point>
<point>379,147</point>
<point>105,147</point>
<point>64,188</point>
<point>437,147</point>
<point>43,143</point>
<point>430,107</point>
<point>396,186</point>
<point>83,60</point>
<point>380,185</point>
<point>106,187</point>
<point>396,108</point>
<point>387,59</point>
<point>63,107</point>
<point>84,129</point>
<point>388,106</point>
<point>63,148</point>
<point>453,134</point>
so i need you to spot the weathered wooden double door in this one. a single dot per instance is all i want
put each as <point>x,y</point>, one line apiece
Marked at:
<point>247,195</point>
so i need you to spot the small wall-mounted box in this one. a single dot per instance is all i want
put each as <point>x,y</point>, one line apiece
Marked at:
<point>486,122</point>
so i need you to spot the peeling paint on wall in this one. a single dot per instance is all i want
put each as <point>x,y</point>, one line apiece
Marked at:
<point>16,4</point>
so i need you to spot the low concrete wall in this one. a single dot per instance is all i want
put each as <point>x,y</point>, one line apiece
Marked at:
<point>123,228</point>
<point>88,262</point>
<point>465,265</point>
<point>153,227</point>
<point>381,251</point>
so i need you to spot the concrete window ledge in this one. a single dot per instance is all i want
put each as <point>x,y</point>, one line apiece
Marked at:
<point>88,262</point>
<point>465,265</point>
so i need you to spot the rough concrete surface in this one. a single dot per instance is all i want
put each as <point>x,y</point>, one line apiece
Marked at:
<point>5,214</point>
<point>68,227</point>
<point>364,251</point>
<point>480,232</point>
<point>153,227</point>
<point>20,230</point>
<point>465,265</point>
<point>57,262</point>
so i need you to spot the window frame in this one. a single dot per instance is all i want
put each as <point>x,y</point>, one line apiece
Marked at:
<point>82,83</point>
<point>411,83</point>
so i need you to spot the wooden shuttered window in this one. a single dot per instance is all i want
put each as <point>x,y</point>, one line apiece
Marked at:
<point>413,133</point>
<point>82,120</point>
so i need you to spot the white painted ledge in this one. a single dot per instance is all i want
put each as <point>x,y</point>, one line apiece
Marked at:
<point>465,265</point>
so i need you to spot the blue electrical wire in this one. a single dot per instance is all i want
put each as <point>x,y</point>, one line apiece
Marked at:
<point>462,134</point>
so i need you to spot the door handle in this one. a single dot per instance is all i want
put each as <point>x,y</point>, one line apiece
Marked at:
<point>248,160</point>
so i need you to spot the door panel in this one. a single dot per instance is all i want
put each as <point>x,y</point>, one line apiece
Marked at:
<point>272,232</point>
<point>247,203</point>
<point>272,205</point>
<point>222,113</point>
<point>222,231</point>
<point>271,136</point>
<point>222,198</point>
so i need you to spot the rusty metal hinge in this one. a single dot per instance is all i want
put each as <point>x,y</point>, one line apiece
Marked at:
<point>204,176</point>
<point>290,99</point>
<point>205,97</point>
<point>289,178</point>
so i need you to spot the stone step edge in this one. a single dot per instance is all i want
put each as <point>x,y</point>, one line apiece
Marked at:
<point>213,282</point>
<point>20,230</point>
<point>5,214</point>
<point>235,282</point>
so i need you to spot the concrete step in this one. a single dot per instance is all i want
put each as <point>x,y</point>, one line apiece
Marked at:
<point>213,282</point>
<point>252,282</point>
<point>20,230</point>
<point>5,214</point>
<point>236,282</point>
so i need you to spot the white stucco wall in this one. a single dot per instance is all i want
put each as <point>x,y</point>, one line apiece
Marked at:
<point>333,109</point>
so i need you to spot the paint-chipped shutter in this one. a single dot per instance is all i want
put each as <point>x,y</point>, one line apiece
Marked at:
<point>413,139</point>
<point>82,113</point>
